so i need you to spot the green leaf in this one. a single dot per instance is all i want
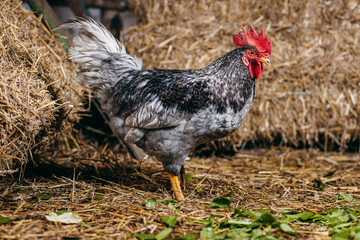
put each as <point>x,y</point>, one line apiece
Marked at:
<point>241,212</point>
<point>343,225</point>
<point>237,233</point>
<point>357,236</point>
<point>260,212</point>
<point>103,208</point>
<point>144,236</point>
<point>342,235</point>
<point>169,220</point>
<point>171,204</point>
<point>344,218</point>
<point>334,221</point>
<point>357,228</point>
<point>4,220</point>
<point>99,197</point>
<point>85,224</point>
<point>351,214</point>
<point>257,233</point>
<point>345,196</point>
<point>208,222</point>
<point>287,229</point>
<point>61,212</point>
<point>337,212</point>
<point>302,217</point>
<point>222,202</point>
<point>242,222</point>
<point>207,233</point>
<point>267,219</point>
<point>43,196</point>
<point>22,187</point>
<point>187,237</point>
<point>164,234</point>
<point>338,216</point>
<point>319,184</point>
<point>238,223</point>
<point>267,238</point>
<point>306,216</point>
<point>151,203</point>
<point>188,177</point>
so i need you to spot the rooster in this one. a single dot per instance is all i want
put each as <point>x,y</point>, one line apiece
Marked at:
<point>167,113</point>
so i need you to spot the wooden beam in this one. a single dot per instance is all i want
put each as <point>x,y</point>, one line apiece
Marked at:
<point>42,7</point>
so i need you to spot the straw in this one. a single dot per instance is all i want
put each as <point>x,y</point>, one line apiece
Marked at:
<point>38,90</point>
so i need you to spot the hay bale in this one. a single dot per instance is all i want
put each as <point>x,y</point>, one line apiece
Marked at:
<point>310,94</point>
<point>38,93</point>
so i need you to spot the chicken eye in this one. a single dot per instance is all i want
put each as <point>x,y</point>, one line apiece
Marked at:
<point>251,53</point>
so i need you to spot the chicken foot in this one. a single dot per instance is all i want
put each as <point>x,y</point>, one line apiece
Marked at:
<point>175,184</point>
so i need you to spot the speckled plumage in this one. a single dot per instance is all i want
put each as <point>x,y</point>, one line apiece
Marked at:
<point>167,113</point>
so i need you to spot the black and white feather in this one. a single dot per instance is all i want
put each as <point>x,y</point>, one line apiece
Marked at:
<point>100,56</point>
<point>167,113</point>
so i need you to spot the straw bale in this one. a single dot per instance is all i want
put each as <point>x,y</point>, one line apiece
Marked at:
<point>310,94</point>
<point>37,87</point>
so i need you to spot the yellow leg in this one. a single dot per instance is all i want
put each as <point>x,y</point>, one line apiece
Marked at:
<point>175,184</point>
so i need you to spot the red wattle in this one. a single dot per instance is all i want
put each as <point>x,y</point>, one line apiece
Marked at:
<point>256,69</point>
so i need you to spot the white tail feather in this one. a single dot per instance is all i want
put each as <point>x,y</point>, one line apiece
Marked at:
<point>101,57</point>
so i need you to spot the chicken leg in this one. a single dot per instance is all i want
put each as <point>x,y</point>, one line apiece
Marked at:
<point>182,177</point>
<point>175,184</point>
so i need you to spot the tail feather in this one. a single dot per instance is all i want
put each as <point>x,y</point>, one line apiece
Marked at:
<point>101,57</point>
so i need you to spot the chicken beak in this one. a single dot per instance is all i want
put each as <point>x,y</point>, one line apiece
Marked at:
<point>265,60</point>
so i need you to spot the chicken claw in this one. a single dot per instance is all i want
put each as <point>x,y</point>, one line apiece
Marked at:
<point>175,184</point>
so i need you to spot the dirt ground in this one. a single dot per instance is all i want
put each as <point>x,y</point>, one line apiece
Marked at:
<point>109,197</point>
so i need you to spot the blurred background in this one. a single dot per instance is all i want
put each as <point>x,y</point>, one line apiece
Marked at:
<point>308,97</point>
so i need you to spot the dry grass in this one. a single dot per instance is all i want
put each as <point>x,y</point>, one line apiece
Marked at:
<point>308,96</point>
<point>38,91</point>
<point>279,179</point>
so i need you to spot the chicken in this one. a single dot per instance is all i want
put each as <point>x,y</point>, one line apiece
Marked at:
<point>167,113</point>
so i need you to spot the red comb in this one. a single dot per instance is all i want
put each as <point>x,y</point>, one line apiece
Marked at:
<point>261,42</point>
